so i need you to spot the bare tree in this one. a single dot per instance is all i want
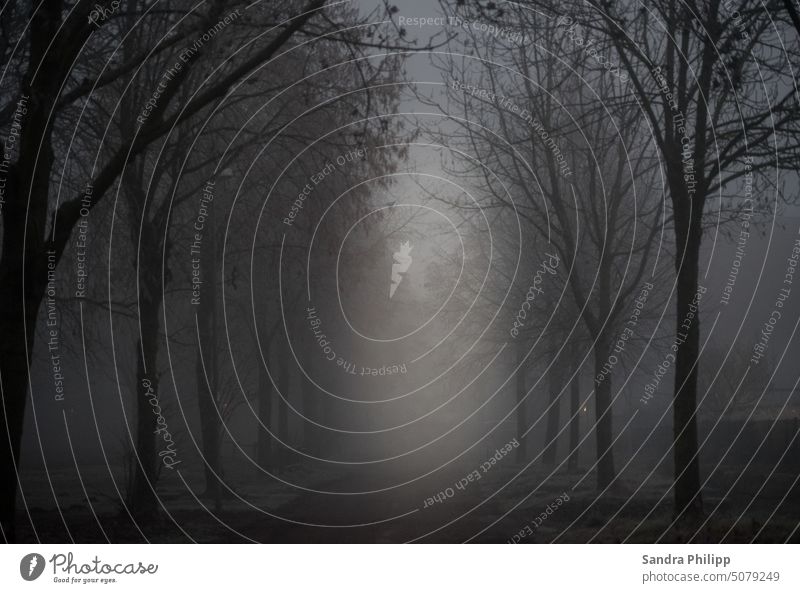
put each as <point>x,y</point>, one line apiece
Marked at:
<point>562,137</point>
<point>69,59</point>
<point>721,104</point>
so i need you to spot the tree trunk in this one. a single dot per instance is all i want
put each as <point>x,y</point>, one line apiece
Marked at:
<point>16,343</point>
<point>143,500</point>
<point>604,414</point>
<point>283,408</point>
<point>309,409</point>
<point>688,495</point>
<point>209,428</point>
<point>575,413</point>
<point>604,423</point>
<point>310,402</point>
<point>207,364</point>
<point>264,443</point>
<point>522,416</point>
<point>555,384</point>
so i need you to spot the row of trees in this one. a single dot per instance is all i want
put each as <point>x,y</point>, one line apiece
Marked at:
<point>659,110</point>
<point>150,106</point>
<point>616,165</point>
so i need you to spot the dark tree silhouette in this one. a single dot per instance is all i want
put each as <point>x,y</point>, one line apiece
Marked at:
<point>59,32</point>
<point>699,74</point>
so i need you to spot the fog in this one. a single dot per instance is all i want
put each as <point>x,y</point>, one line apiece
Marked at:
<point>362,277</point>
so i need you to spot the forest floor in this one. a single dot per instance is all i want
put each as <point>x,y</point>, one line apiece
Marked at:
<point>528,509</point>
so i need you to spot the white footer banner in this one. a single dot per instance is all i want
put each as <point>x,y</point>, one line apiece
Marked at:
<point>397,568</point>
